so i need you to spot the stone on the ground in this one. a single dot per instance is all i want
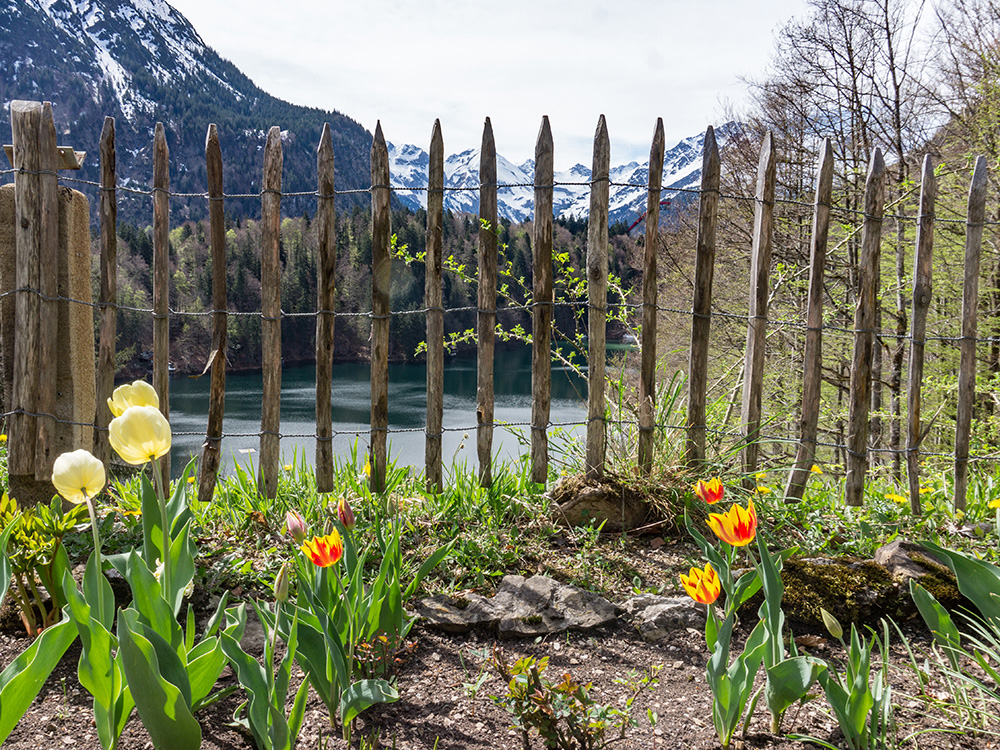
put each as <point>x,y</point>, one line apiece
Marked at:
<point>521,607</point>
<point>578,501</point>
<point>655,617</point>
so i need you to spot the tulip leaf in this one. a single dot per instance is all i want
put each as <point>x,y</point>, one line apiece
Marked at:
<point>96,588</point>
<point>789,681</point>
<point>428,565</point>
<point>24,677</point>
<point>162,704</point>
<point>148,601</point>
<point>362,695</point>
<point>938,621</point>
<point>978,580</point>
<point>5,567</point>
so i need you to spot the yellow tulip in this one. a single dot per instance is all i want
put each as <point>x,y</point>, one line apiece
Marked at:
<point>78,475</point>
<point>140,434</point>
<point>139,393</point>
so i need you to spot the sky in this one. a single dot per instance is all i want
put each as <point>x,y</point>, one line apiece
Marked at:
<point>407,62</point>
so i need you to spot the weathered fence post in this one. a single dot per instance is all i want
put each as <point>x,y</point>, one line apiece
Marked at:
<point>647,375</point>
<point>212,452</point>
<point>541,313</point>
<point>701,310</point>
<point>918,327</point>
<point>812,354</point>
<point>487,317</point>
<point>435,311</point>
<point>597,285</point>
<point>48,371</point>
<point>109,289</point>
<point>381,277</point>
<point>970,301</point>
<point>326,268</point>
<point>25,120</point>
<point>760,271</point>
<point>270,300</point>
<point>864,333</point>
<point>48,286</point>
<point>161,279</point>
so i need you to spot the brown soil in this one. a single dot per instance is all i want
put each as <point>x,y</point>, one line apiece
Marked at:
<point>437,708</point>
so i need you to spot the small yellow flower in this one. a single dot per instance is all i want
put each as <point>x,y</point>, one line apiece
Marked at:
<point>3,439</point>
<point>760,475</point>
<point>140,434</point>
<point>368,467</point>
<point>190,480</point>
<point>78,475</point>
<point>925,490</point>
<point>895,498</point>
<point>287,467</point>
<point>995,503</point>
<point>139,393</point>
<point>763,490</point>
<point>815,469</point>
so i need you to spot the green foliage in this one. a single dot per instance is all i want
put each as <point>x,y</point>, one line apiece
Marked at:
<point>562,713</point>
<point>36,554</point>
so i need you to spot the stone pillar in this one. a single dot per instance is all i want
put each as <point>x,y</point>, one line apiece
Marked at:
<point>73,366</point>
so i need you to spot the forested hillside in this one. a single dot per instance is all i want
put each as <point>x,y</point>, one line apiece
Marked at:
<point>191,280</point>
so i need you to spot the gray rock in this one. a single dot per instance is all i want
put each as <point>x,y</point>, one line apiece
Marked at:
<point>906,560</point>
<point>458,614</point>
<point>656,621</point>
<point>541,605</point>
<point>521,607</point>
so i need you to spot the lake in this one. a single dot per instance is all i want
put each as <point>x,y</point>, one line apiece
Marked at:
<point>351,393</point>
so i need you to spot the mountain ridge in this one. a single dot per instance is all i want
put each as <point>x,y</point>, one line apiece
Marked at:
<point>142,62</point>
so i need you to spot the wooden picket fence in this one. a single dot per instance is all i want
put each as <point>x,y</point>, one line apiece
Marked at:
<point>35,157</point>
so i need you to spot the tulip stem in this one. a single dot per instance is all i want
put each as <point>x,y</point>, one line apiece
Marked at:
<point>98,561</point>
<point>161,499</point>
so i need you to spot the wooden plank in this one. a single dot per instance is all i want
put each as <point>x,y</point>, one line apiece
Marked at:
<point>647,367</point>
<point>109,289</point>
<point>161,279</point>
<point>864,333</point>
<point>48,285</point>
<point>381,278</point>
<point>760,271</point>
<point>487,317</point>
<point>918,326</point>
<point>435,311</point>
<point>812,354</point>
<point>211,454</point>
<point>597,285</point>
<point>701,309</point>
<point>25,119</point>
<point>270,302</point>
<point>541,313</point>
<point>970,301</point>
<point>326,300</point>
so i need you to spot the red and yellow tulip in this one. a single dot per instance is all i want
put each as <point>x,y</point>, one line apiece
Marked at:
<point>702,585</point>
<point>711,491</point>
<point>737,526</point>
<point>324,551</point>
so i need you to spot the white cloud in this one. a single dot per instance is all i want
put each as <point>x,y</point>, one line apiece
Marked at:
<point>407,63</point>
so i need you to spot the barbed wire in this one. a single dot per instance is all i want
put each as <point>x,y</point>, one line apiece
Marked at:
<point>399,188</point>
<point>501,425</point>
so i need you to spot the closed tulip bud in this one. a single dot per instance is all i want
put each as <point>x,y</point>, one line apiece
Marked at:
<point>281,584</point>
<point>832,624</point>
<point>345,514</point>
<point>296,526</point>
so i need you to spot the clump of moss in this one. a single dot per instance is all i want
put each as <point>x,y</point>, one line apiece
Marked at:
<point>853,591</point>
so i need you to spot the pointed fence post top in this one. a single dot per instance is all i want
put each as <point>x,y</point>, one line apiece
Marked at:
<point>437,139</point>
<point>544,151</point>
<point>324,149</point>
<point>212,136</point>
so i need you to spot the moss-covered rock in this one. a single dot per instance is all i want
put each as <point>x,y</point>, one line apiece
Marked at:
<point>853,591</point>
